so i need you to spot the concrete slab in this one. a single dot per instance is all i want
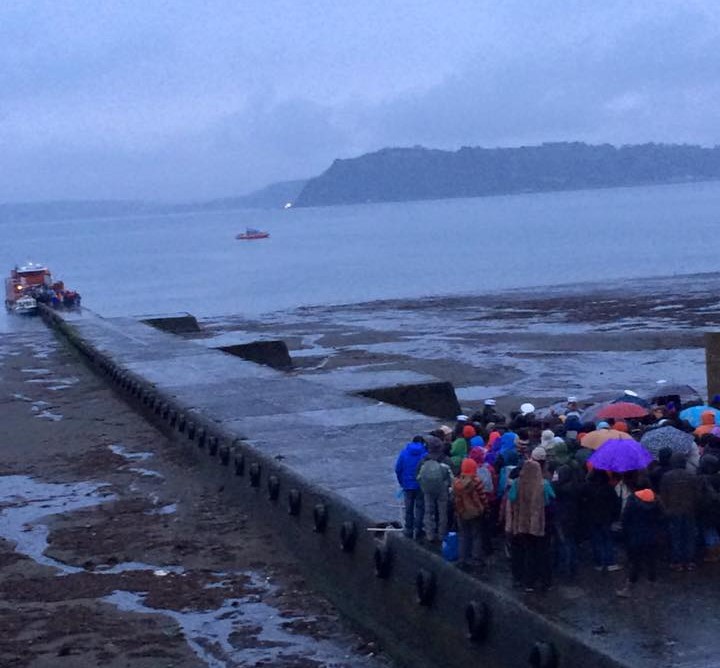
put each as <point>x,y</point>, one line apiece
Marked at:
<point>356,380</point>
<point>201,368</point>
<point>346,443</point>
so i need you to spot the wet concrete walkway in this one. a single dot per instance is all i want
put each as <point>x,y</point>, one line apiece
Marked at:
<point>347,444</point>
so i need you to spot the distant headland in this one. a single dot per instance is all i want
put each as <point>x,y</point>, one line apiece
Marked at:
<point>417,173</point>
<point>403,174</point>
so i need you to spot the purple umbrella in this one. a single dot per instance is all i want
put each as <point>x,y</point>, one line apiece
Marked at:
<point>620,456</point>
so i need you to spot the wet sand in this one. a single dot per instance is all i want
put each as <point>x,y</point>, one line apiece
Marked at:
<point>114,552</point>
<point>538,345</point>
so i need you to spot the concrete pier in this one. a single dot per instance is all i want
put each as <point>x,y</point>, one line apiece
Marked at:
<point>317,463</point>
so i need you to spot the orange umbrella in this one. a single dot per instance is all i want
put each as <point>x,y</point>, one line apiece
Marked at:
<point>595,439</point>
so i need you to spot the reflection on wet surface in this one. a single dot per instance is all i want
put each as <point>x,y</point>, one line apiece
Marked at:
<point>26,502</point>
<point>213,634</point>
<point>239,631</point>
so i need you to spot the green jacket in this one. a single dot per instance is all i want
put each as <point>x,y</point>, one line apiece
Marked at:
<point>458,452</point>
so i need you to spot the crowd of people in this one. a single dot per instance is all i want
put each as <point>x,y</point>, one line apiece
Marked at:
<point>526,486</point>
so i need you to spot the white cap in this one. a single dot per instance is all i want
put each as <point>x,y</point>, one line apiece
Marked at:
<point>490,402</point>
<point>539,454</point>
<point>462,418</point>
<point>525,409</point>
<point>661,382</point>
<point>572,400</point>
<point>630,393</point>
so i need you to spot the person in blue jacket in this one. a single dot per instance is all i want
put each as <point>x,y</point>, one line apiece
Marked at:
<point>406,468</point>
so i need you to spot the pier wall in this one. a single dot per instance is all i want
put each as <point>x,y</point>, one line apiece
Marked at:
<point>425,611</point>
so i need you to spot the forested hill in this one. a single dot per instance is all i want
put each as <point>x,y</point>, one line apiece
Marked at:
<point>400,174</point>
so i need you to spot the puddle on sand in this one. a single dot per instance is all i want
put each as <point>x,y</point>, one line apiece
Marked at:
<point>147,473</point>
<point>36,372</point>
<point>62,382</point>
<point>49,415</point>
<point>136,457</point>
<point>26,501</point>
<point>126,566</point>
<point>168,509</point>
<point>210,632</point>
<point>119,449</point>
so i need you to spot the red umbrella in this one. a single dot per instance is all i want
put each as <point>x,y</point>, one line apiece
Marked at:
<point>622,411</point>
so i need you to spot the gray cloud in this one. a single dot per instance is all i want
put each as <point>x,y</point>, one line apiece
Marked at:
<point>180,100</point>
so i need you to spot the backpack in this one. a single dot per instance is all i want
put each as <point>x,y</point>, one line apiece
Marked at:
<point>434,477</point>
<point>468,498</point>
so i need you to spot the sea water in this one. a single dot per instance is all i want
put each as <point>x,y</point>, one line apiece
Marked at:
<point>330,255</point>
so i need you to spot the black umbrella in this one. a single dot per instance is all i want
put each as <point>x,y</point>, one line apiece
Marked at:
<point>667,437</point>
<point>661,393</point>
<point>631,398</point>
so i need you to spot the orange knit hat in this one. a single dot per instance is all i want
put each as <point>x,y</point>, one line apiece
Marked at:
<point>468,467</point>
<point>469,431</point>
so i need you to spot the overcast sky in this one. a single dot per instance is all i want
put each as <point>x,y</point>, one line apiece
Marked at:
<point>191,99</point>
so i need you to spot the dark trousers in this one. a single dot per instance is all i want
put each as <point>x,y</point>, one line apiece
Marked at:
<point>486,531</point>
<point>603,547</point>
<point>530,560</point>
<point>565,552</point>
<point>682,538</point>
<point>469,532</point>
<point>642,556</point>
<point>414,512</point>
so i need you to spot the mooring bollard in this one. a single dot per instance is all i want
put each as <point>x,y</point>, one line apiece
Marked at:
<point>320,518</point>
<point>383,561</point>
<point>294,501</point>
<point>239,463</point>
<point>273,486</point>
<point>425,585</point>
<point>254,473</point>
<point>477,616</point>
<point>348,536</point>
<point>543,655</point>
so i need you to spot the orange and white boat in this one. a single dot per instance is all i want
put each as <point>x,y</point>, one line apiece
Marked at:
<point>31,284</point>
